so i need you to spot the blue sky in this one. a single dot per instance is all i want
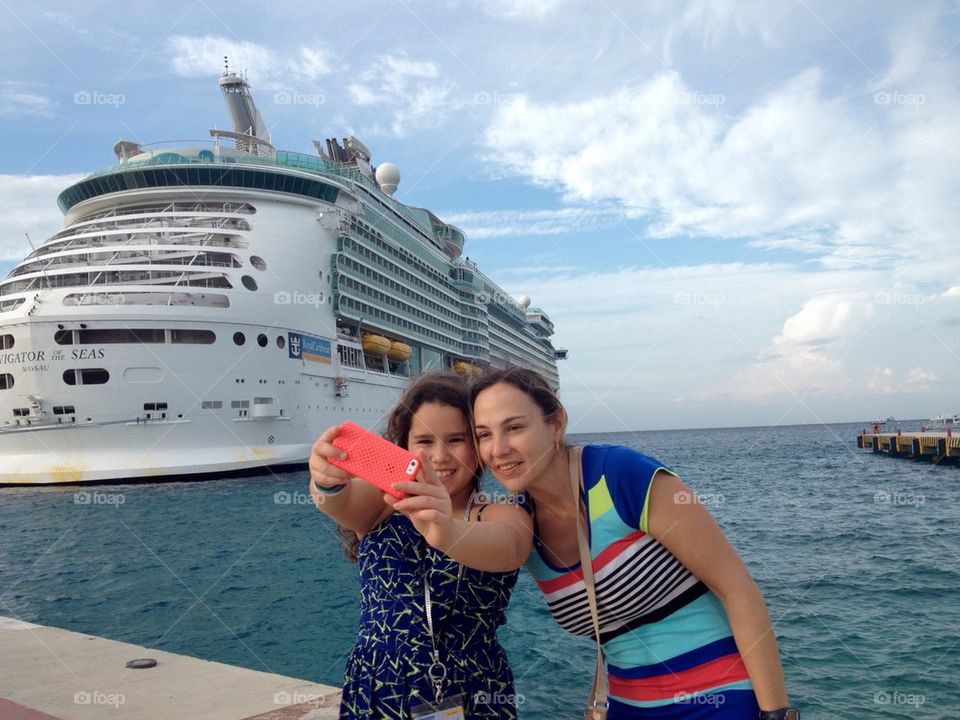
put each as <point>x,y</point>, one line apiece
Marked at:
<point>734,212</point>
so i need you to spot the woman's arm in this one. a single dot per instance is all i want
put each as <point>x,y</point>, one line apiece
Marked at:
<point>687,530</point>
<point>358,505</point>
<point>500,543</point>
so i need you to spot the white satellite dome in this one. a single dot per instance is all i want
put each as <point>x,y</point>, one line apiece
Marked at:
<point>388,177</point>
<point>523,301</point>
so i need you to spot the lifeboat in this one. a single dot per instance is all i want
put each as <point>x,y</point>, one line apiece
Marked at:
<point>476,371</point>
<point>399,351</point>
<point>462,367</point>
<point>376,345</point>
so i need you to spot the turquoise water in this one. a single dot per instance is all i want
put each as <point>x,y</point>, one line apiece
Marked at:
<point>858,557</point>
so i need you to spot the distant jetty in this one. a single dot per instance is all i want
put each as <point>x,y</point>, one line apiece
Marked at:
<point>933,446</point>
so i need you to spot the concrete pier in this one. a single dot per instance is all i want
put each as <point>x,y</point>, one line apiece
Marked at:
<point>52,674</point>
<point>938,447</point>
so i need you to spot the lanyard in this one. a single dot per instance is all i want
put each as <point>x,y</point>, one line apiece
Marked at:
<point>438,671</point>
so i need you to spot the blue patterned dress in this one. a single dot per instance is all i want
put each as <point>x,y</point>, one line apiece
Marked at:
<point>387,670</point>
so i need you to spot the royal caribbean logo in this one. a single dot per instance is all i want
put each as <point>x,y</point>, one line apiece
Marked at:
<point>309,348</point>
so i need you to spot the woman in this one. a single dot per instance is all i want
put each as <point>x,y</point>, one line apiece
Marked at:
<point>428,554</point>
<point>683,626</point>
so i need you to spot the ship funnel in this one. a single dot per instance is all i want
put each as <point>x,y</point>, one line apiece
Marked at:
<point>240,105</point>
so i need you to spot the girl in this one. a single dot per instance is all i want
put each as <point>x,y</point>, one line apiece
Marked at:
<point>683,626</point>
<point>434,579</point>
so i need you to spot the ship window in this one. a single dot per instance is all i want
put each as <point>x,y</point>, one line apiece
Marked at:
<point>6,381</point>
<point>103,336</point>
<point>6,305</point>
<point>155,406</point>
<point>63,337</point>
<point>239,338</point>
<point>6,342</point>
<point>258,262</point>
<point>211,404</point>
<point>64,410</point>
<point>248,282</point>
<point>262,340</point>
<point>21,412</point>
<point>281,342</point>
<point>177,176</point>
<point>192,337</point>
<point>86,376</point>
<point>240,403</point>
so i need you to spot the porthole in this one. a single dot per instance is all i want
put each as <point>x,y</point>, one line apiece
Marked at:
<point>262,340</point>
<point>86,376</point>
<point>239,338</point>
<point>248,282</point>
<point>281,343</point>
<point>258,262</point>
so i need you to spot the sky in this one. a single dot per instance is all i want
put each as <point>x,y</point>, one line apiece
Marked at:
<point>735,213</point>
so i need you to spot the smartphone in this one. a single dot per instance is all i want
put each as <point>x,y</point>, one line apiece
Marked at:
<point>374,459</point>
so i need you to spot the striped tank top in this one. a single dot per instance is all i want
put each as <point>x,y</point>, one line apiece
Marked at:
<point>668,644</point>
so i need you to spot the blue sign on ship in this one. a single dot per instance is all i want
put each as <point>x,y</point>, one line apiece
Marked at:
<point>309,348</point>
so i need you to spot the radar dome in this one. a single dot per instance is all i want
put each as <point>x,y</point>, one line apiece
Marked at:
<point>388,177</point>
<point>523,301</point>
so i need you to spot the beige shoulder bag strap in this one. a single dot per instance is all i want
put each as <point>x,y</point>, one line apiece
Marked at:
<point>597,707</point>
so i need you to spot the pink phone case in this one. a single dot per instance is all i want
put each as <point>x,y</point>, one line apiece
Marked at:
<point>374,459</point>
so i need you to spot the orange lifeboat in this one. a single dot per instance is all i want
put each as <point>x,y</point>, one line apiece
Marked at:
<point>399,351</point>
<point>376,345</point>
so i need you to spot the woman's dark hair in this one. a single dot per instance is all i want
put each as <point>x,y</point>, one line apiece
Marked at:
<point>526,381</point>
<point>442,388</point>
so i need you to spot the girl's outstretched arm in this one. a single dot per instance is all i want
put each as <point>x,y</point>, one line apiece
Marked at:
<point>500,543</point>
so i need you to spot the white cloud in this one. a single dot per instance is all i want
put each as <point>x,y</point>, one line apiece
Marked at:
<point>412,93</point>
<point>920,379</point>
<point>790,164</point>
<point>712,21</point>
<point>821,320</point>
<point>202,56</point>
<point>801,360</point>
<point>526,223</point>
<point>851,181</point>
<point>28,204</point>
<point>522,8</point>
<point>831,346</point>
<point>18,99</point>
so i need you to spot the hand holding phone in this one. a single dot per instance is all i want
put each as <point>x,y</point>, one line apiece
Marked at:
<point>374,459</point>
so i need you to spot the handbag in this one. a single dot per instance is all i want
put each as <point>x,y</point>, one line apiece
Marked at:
<point>597,706</point>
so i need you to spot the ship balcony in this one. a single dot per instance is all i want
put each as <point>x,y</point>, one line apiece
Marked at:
<point>131,275</point>
<point>127,258</point>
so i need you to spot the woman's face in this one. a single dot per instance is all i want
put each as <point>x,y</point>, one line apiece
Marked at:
<point>442,431</point>
<point>515,441</point>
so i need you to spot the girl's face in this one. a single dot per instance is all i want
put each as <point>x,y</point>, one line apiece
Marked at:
<point>442,431</point>
<point>515,441</point>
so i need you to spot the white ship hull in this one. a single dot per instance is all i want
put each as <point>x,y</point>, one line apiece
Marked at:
<point>203,312</point>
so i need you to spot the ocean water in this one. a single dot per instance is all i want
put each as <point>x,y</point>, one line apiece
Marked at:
<point>858,557</point>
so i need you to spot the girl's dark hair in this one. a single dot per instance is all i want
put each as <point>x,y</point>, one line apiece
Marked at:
<point>442,388</point>
<point>526,381</point>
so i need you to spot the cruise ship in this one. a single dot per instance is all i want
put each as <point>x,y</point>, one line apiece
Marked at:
<point>211,309</point>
